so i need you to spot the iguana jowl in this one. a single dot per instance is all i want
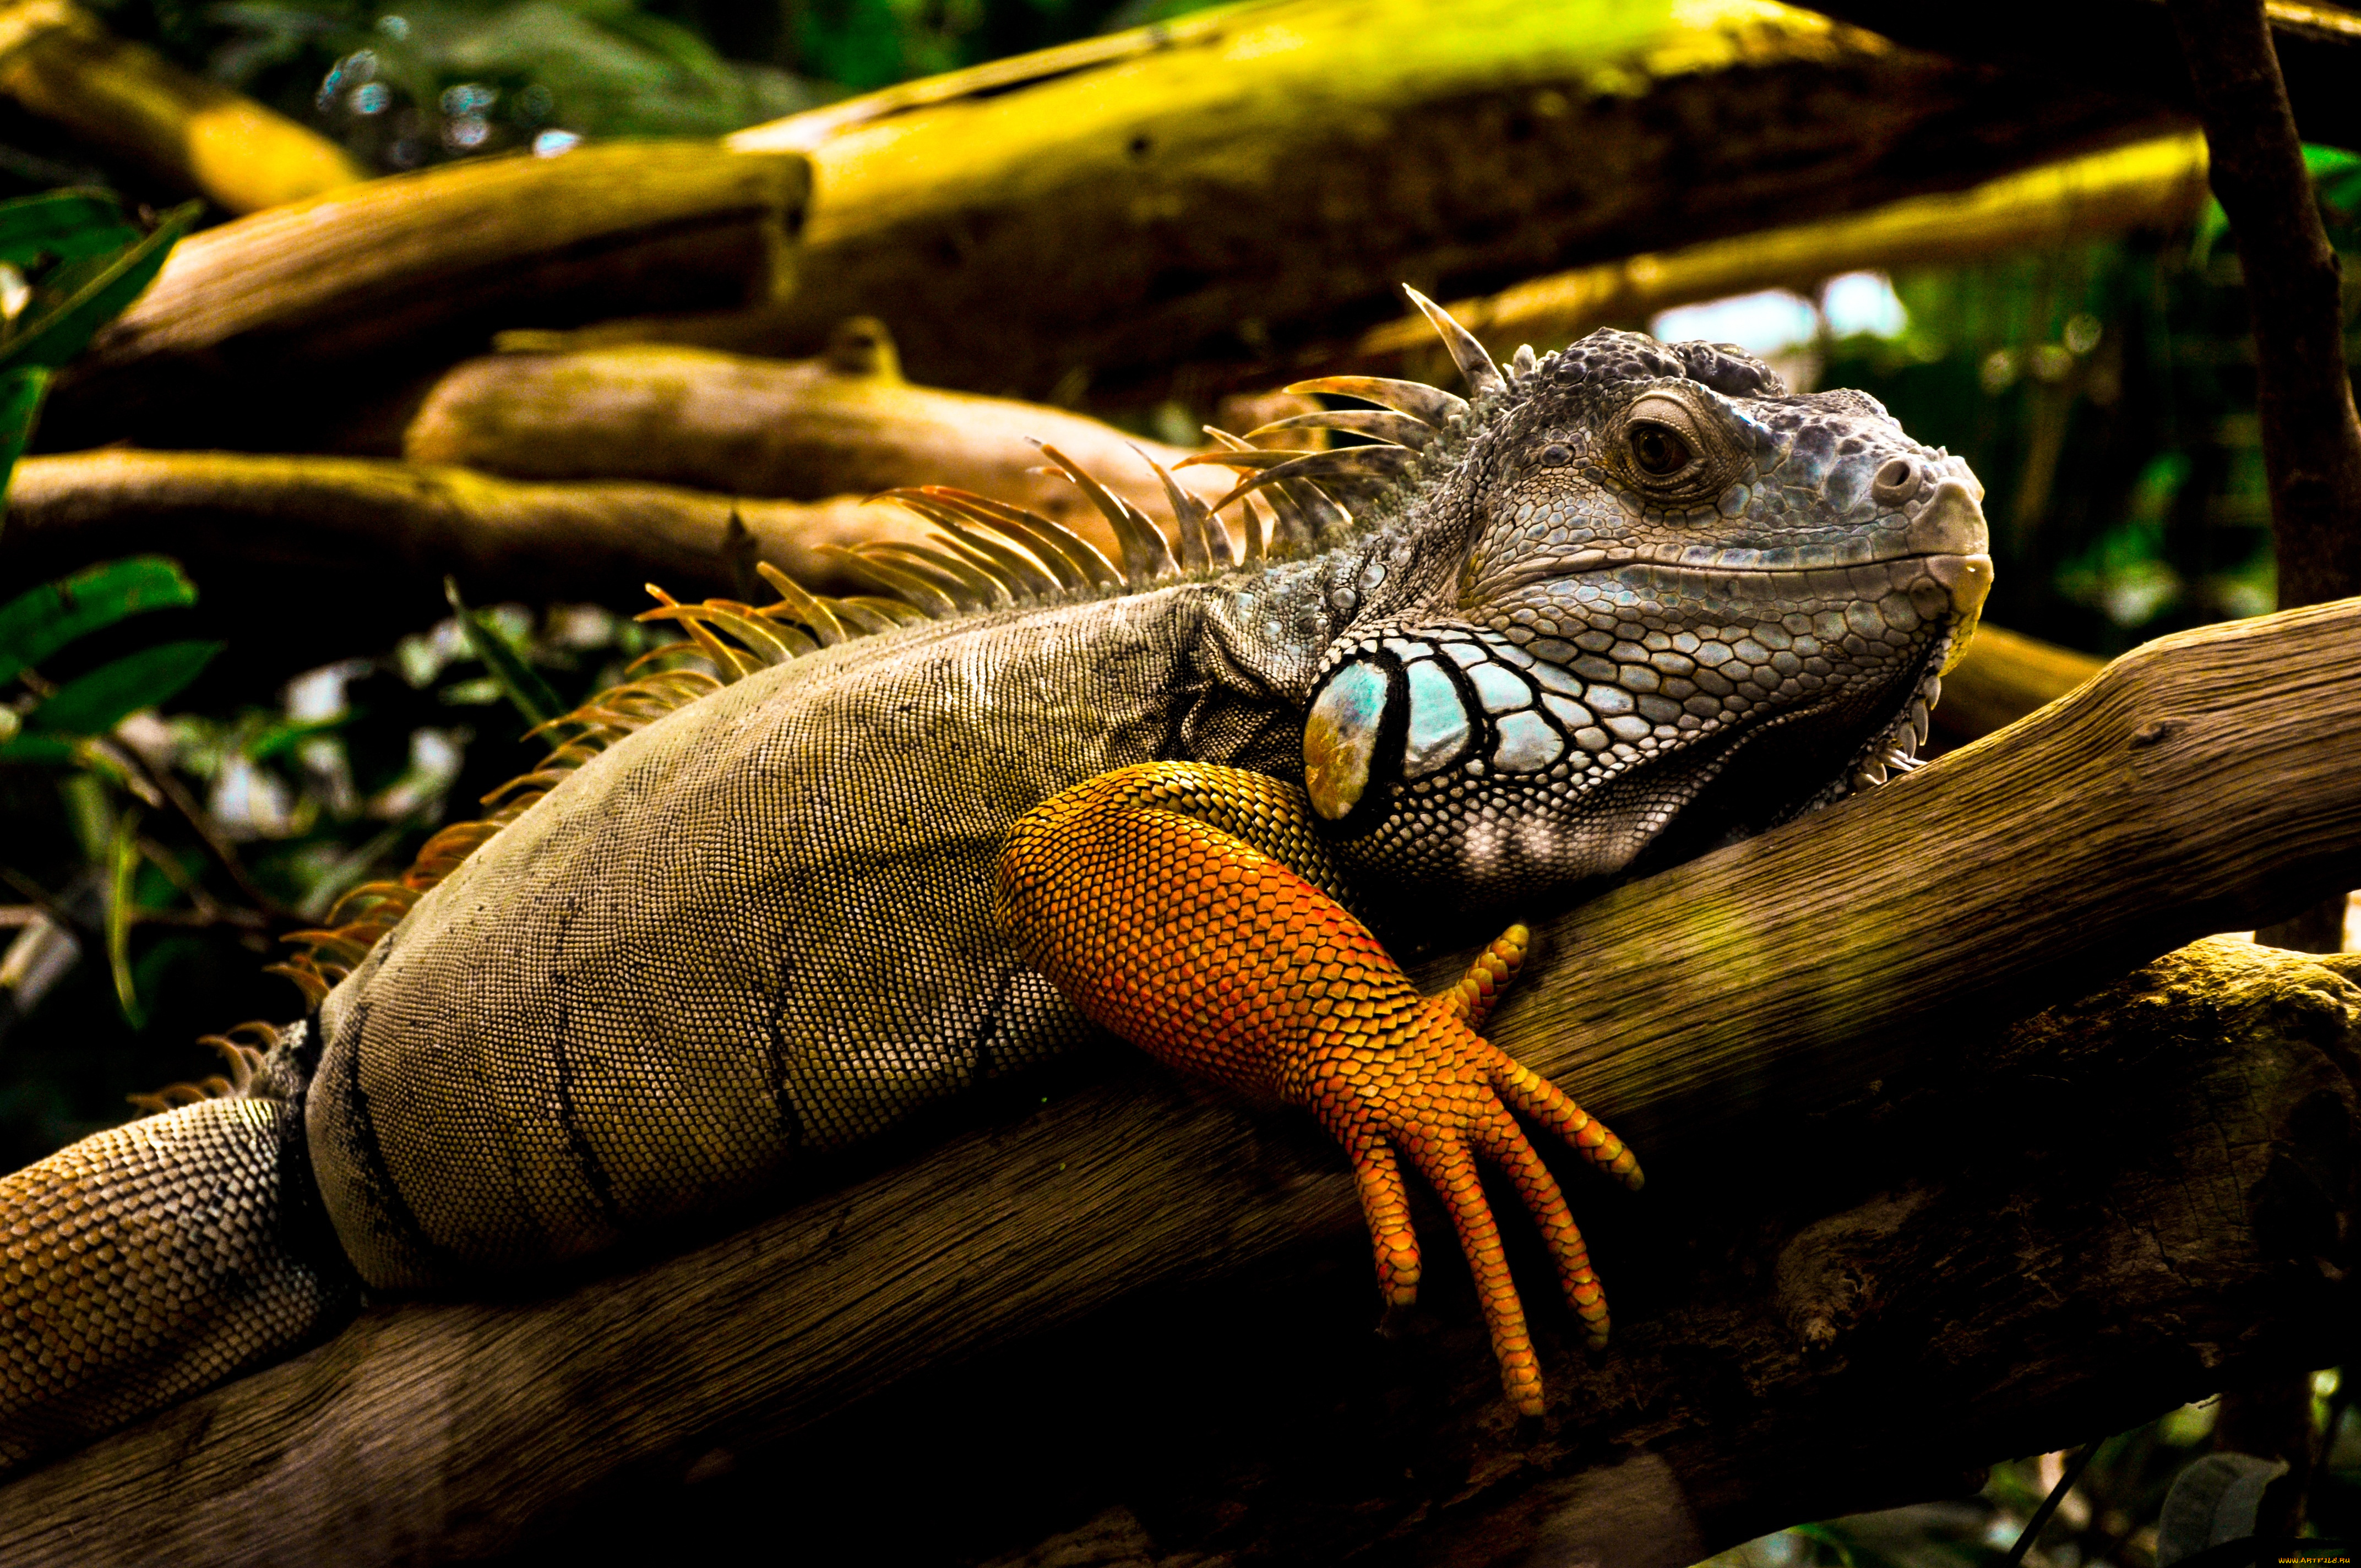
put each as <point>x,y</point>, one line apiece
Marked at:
<point>750,917</point>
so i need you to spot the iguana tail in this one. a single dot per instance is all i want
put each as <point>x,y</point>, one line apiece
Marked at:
<point>153,1260</point>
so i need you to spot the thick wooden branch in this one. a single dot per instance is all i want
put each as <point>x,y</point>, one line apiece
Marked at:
<point>277,327</point>
<point>843,424</point>
<point>327,552</point>
<point>2202,780</point>
<point>336,522</point>
<point>197,136</point>
<point>332,551</point>
<point>1218,191</point>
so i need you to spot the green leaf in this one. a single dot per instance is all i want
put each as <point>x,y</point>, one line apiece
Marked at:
<point>95,292</point>
<point>37,623</point>
<point>48,749</point>
<point>282,739</point>
<point>2335,178</point>
<point>63,225</point>
<point>21,391</point>
<point>93,703</point>
<point>526,691</point>
<point>2213,1502</point>
<point>122,908</point>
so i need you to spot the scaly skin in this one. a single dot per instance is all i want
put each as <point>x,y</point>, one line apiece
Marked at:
<point>1214,958</point>
<point>1633,598</point>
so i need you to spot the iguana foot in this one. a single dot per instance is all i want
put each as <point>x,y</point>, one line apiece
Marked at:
<point>1212,954</point>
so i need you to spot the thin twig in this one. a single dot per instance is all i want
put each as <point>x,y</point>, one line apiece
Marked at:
<point>39,897</point>
<point>201,825</point>
<point>2033,1526</point>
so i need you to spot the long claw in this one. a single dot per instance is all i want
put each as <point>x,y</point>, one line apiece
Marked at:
<point>1450,1169</point>
<point>1385,1205</point>
<point>1505,1145</point>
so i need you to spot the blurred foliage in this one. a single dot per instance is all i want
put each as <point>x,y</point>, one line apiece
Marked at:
<point>177,849</point>
<point>2109,1517</point>
<point>406,85</point>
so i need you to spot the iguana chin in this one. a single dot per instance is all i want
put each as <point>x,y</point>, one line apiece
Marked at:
<point>745,915</point>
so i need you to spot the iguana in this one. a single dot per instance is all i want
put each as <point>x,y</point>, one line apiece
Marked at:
<point>747,914</point>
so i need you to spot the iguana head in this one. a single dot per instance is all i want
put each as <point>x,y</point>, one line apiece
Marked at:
<point>1633,584</point>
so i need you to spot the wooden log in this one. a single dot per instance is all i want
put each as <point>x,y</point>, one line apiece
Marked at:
<point>1220,189</point>
<point>196,135</point>
<point>844,423</point>
<point>333,553</point>
<point>2203,779</point>
<point>287,321</point>
<point>2158,184</point>
<point>2111,1209</point>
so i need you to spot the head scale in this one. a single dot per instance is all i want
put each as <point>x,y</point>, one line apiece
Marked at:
<point>1635,583</point>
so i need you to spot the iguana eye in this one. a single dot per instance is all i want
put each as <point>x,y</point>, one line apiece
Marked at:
<point>1658,450</point>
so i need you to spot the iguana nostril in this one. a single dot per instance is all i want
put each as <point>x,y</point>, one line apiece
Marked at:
<point>1895,483</point>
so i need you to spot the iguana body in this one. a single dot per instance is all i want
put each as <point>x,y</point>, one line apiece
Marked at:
<point>1632,582</point>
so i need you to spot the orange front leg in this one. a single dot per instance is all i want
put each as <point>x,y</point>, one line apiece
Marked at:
<point>1199,945</point>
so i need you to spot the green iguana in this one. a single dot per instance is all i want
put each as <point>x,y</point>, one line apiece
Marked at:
<point>747,914</point>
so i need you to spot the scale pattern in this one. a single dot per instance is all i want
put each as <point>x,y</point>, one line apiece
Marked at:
<point>148,1262</point>
<point>1507,646</point>
<point>756,931</point>
<point>1199,948</point>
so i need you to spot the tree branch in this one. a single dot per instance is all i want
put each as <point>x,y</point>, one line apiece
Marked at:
<point>198,136</point>
<point>312,543</point>
<point>2311,436</point>
<point>2202,780</point>
<point>275,328</point>
<point>843,424</point>
<point>1218,191</point>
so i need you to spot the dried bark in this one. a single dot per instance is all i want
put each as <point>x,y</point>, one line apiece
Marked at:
<point>843,424</point>
<point>1221,190</point>
<point>2062,1260</point>
<point>283,326</point>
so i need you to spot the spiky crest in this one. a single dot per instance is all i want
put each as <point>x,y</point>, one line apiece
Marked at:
<point>986,555</point>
